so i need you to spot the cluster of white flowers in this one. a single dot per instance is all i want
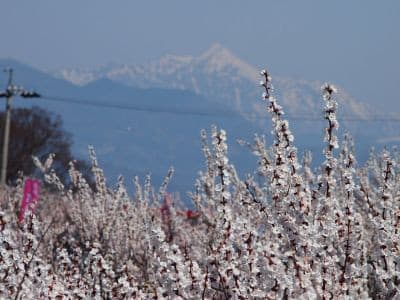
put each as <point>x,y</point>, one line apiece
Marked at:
<point>289,233</point>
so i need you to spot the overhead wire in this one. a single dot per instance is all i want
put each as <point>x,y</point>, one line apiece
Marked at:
<point>347,119</point>
<point>302,117</point>
<point>126,107</point>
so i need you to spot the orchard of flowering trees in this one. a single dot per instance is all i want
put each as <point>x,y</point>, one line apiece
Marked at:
<point>296,233</point>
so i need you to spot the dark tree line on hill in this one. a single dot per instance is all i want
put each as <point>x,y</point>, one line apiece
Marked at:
<point>37,132</point>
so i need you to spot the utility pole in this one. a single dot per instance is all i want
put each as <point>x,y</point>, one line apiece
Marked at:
<point>9,93</point>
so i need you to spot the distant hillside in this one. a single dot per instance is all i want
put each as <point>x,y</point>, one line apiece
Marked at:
<point>163,131</point>
<point>223,78</point>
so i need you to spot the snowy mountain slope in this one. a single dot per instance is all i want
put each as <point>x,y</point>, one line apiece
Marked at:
<point>219,75</point>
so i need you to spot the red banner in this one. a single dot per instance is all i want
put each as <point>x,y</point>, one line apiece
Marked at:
<point>30,199</point>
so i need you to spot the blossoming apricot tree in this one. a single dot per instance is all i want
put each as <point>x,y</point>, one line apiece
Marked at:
<point>333,233</point>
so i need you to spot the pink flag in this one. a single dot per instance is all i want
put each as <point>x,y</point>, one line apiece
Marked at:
<point>31,197</point>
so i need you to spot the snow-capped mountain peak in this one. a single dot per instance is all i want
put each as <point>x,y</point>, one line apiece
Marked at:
<point>217,58</point>
<point>219,75</point>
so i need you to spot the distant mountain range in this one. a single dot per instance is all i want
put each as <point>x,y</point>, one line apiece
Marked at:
<point>174,98</point>
<point>219,75</point>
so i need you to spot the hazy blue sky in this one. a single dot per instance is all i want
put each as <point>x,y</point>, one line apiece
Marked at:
<point>353,43</point>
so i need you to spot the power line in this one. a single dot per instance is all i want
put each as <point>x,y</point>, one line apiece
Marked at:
<point>13,90</point>
<point>302,117</point>
<point>129,107</point>
<point>96,103</point>
<point>347,119</point>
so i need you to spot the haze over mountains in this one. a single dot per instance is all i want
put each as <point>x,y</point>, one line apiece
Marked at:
<point>220,76</point>
<point>174,98</point>
<point>216,74</point>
